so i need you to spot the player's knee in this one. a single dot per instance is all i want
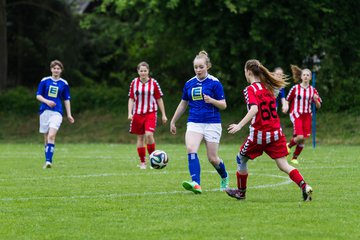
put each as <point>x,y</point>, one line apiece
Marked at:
<point>191,149</point>
<point>300,139</point>
<point>150,139</point>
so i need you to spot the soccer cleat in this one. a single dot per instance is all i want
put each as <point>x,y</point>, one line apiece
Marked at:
<point>288,148</point>
<point>192,186</point>
<point>142,165</point>
<point>224,183</point>
<point>47,165</point>
<point>236,193</point>
<point>294,161</point>
<point>307,193</point>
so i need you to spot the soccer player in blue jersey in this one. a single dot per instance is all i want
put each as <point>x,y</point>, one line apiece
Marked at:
<point>281,96</point>
<point>51,91</point>
<point>204,95</point>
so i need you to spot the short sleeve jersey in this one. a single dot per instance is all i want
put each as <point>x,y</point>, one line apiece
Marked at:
<point>300,99</point>
<point>54,90</point>
<point>199,110</point>
<point>280,96</point>
<point>266,118</point>
<point>145,95</point>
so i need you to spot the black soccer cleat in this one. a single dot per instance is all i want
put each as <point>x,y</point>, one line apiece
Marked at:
<point>307,193</point>
<point>236,193</point>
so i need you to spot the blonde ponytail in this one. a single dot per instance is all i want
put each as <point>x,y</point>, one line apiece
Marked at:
<point>204,55</point>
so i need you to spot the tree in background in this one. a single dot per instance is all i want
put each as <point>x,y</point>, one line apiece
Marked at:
<point>3,46</point>
<point>38,32</point>
<point>167,34</point>
<point>104,44</point>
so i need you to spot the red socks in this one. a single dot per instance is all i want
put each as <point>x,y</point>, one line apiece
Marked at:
<point>150,148</point>
<point>292,143</point>
<point>241,180</point>
<point>298,150</point>
<point>141,151</point>
<point>297,178</point>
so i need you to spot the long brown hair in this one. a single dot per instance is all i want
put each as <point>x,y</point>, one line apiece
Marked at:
<point>271,81</point>
<point>296,72</point>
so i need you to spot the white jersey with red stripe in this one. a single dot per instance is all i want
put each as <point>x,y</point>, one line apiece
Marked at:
<point>265,125</point>
<point>300,99</point>
<point>145,95</point>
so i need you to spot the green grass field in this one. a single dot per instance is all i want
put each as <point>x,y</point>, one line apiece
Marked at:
<point>95,191</point>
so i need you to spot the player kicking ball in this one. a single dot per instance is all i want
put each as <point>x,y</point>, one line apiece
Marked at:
<point>265,131</point>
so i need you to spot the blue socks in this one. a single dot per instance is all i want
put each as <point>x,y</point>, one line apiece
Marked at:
<point>194,167</point>
<point>49,152</point>
<point>221,170</point>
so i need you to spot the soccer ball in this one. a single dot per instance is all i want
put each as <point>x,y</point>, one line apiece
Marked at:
<point>158,159</point>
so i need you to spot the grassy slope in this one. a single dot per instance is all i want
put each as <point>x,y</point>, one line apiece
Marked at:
<point>95,191</point>
<point>104,127</point>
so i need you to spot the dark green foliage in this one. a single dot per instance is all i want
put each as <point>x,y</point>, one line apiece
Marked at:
<point>111,99</point>
<point>168,34</point>
<point>104,45</point>
<point>20,100</point>
<point>23,101</point>
<point>39,32</point>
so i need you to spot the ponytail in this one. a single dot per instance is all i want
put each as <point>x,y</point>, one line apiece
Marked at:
<point>271,81</point>
<point>203,54</point>
<point>296,72</point>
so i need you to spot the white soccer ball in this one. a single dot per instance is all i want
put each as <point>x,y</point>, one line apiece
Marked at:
<point>158,159</point>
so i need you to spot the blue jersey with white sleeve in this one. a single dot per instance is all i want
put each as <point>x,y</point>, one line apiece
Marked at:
<point>200,111</point>
<point>54,90</point>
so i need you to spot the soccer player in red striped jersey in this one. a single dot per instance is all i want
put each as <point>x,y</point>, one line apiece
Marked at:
<point>300,98</point>
<point>265,131</point>
<point>145,97</point>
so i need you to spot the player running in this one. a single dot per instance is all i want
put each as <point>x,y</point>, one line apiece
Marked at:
<point>265,131</point>
<point>300,98</point>
<point>51,91</point>
<point>205,96</point>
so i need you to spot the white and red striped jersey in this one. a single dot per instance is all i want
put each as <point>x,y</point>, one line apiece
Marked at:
<point>145,95</point>
<point>300,99</point>
<point>265,126</point>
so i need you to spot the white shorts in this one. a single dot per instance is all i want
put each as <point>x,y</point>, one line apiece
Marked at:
<point>211,131</point>
<point>49,119</point>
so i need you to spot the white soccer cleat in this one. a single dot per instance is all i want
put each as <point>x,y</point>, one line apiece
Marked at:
<point>47,165</point>
<point>142,165</point>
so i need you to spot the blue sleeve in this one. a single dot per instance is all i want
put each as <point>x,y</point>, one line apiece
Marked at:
<point>281,93</point>
<point>219,91</point>
<point>66,93</point>
<point>41,88</point>
<point>184,94</point>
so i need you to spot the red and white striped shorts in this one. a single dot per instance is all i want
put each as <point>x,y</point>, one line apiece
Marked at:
<point>272,143</point>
